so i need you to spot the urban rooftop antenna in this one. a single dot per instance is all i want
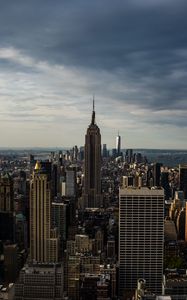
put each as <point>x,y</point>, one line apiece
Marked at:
<point>93,112</point>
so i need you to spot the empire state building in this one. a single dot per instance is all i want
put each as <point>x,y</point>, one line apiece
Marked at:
<point>92,167</point>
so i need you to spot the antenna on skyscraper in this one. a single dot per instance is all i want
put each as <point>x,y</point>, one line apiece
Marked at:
<point>93,112</point>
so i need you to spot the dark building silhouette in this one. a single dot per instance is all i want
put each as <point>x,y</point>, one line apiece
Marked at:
<point>129,155</point>
<point>11,262</point>
<point>7,226</point>
<point>105,151</point>
<point>183,179</point>
<point>92,165</point>
<point>181,220</point>
<point>156,174</point>
<point>7,218</point>
<point>6,193</point>
<point>165,184</point>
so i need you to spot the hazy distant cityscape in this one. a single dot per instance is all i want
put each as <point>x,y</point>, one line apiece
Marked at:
<point>168,157</point>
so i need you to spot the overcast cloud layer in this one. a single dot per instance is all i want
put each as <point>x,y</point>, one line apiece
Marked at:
<point>55,54</point>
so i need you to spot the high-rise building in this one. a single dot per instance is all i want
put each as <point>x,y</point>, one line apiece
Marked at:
<point>70,182</point>
<point>118,145</point>
<point>43,239</point>
<point>7,215</point>
<point>157,174</point>
<point>183,179</point>
<point>105,151</point>
<point>7,225</point>
<point>141,238</point>
<point>129,156</point>
<point>59,221</point>
<point>11,262</point>
<point>6,193</point>
<point>92,165</point>
<point>165,184</point>
<point>40,281</point>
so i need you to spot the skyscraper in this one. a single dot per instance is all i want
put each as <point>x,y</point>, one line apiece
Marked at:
<point>105,151</point>
<point>141,238</point>
<point>183,179</point>
<point>43,239</point>
<point>6,193</point>
<point>118,145</point>
<point>7,215</point>
<point>71,182</point>
<point>92,165</point>
<point>156,174</point>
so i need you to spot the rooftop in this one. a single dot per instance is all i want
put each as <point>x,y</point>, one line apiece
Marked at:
<point>144,191</point>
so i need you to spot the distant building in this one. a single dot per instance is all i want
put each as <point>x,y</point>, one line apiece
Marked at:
<point>165,184</point>
<point>71,182</point>
<point>21,231</point>
<point>118,145</point>
<point>81,153</point>
<point>40,281</point>
<point>183,179</point>
<point>7,225</point>
<point>156,174</point>
<point>11,262</point>
<point>105,151</point>
<point>141,238</point>
<point>6,193</point>
<point>129,156</point>
<point>59,221</point>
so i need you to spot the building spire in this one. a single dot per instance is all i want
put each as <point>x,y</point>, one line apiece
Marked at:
<point>93,112</point>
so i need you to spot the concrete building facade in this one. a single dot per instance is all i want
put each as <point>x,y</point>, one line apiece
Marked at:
<point>141,238</point>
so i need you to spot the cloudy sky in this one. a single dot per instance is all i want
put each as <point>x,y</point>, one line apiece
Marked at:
<point>131,54</point>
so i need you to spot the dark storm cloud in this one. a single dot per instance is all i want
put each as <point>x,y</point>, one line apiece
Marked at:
<point>142,43</point>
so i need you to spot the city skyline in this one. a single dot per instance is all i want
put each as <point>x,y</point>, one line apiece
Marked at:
<point>130,54</point>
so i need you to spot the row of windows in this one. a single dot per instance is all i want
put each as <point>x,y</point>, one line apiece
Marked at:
<point>141,227</point>
<point>143,197</point>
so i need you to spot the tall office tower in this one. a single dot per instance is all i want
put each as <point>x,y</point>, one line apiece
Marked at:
<point>157,174</point>
<point>75,153</point>
<point>81,153</point>
<point>43,240</point>
<point>118,145</point>
<point>59,221</point>
<point>105,151</point>
<point>92,165</point>
<point>141,238</point>
<point>183,179</point>
<point>129,156</point>
<point>7,215</point>
<point>71,182</point>
<point>7,226</point>
<point>10,262</point>
<point>6,193</point>
<point>165,184</point>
